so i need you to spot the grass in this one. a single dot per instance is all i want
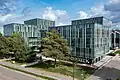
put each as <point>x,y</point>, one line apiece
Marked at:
<point>18,63</point>
<point>44,77</point>
<point>117,52</point>
<point>66,69</point>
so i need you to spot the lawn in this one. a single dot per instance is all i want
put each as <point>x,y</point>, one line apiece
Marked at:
<point>117,52</point>
<point>18,63</point>
<point>66,69</point>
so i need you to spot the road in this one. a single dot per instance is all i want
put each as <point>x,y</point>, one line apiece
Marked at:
<point>109,71</point>
<point>6,74</point>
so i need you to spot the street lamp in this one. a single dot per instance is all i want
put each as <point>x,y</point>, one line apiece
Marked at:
<point>74,65</point>
<point>73,69</point>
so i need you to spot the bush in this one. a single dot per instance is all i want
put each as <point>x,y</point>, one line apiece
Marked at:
<point>31,58</point>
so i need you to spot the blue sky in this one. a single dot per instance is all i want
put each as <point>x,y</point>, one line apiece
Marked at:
<point>71,6</point>
<point>61,11</point>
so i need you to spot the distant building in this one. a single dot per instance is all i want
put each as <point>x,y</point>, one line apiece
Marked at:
<point>115,38</point>
<point>32,30</point>
<point>89,38</point>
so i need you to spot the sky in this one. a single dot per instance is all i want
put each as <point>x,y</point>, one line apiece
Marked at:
<point>61,11</point>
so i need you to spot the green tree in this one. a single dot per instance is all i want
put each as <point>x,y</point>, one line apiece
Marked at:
<point>0,34</point>
<point>18,46</point>
<point>53,45</point>
<point>31,55</point>
<point>3,46</point>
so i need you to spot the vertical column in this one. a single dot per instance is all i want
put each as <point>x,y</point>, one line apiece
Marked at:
<point>114,39</point>
<point>119,40</point>
<point>70,35</point>
<point>85,43</point>
<point>75,40</point>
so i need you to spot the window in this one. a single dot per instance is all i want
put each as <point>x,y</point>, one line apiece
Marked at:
<point>28,29</point>
<point>80,32</point>
<point>102,32</point>
<point>25,28</point>
<point>34,29</point>
<point>23,34</point>
<point>88,32</point>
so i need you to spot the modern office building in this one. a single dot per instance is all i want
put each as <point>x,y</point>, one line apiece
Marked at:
<point>115,38</point>
<point>89,38</point>
<point>32,30</point>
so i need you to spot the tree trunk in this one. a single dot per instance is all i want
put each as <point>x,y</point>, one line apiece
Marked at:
<point>41,60</point>
<point>55,63</point>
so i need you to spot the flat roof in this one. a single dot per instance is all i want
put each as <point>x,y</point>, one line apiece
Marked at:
<point>38,19</point>
<point>60,26</point>
<point>91,18</point>
<point>19,24</point>
<point>12,24</point>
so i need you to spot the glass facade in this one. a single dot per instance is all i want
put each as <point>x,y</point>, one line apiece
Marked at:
<point>32,30</point>
<point>41,23</point>
<point>88,38</point>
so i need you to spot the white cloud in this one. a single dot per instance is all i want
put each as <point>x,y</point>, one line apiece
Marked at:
<point>113,6</point>
<point>83,14</point>
<point>7,10</point>
<point>60,16</point>
<point>109,10</point>
<point>12,18</point>
<point>60,12</point>
<point>49,14</point>
<point>4,17</point>
<point>8,6</point>
<point>114,1</point>
<point>98,10</point>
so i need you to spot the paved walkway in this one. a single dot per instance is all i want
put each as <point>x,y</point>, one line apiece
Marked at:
<point>39,72</point>
<point>109,71</point>
<point>103,61</point>
<point>79,64</point>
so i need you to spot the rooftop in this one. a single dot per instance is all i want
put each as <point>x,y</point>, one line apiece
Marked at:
<point>91,18</point>
<point>38,19</point>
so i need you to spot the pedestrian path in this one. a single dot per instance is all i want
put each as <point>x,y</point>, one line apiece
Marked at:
<point>95,65</point>
<point>30,64</point>
<point>38,72</point>
<point>103,61</point>
<point>110,71</point>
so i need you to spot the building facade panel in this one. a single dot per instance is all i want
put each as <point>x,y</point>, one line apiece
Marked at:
<point>32,30</point>
<point>8,29</point>
<point>115,38</point>
<point>88,38</point>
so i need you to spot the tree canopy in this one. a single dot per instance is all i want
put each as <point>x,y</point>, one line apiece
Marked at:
<point>18,46</point>
<point>53,45</point>
<point>4,43</point>
<point>0,34</point>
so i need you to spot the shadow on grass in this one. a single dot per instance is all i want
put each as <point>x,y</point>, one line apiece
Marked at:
<point>44,65</point>
<point>66,69</point>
